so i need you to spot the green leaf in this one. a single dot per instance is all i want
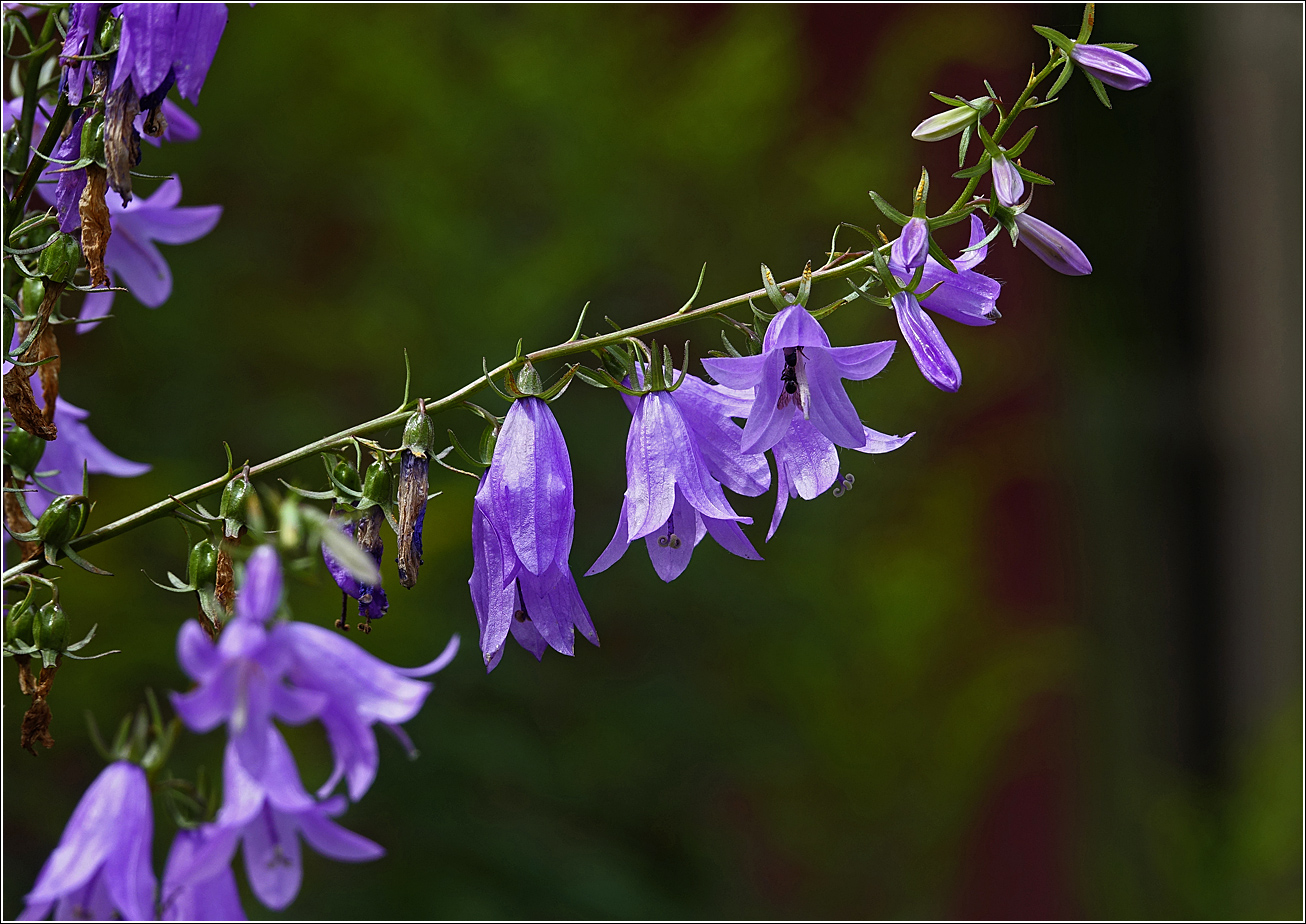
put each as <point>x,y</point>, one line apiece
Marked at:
<point>1019,147</point>
<point>1118,46</point>
<point>990,145</point>
<point>1086,26</point>
<point>889,211</point>
<point>1099,89</point>
<point>1056,38</point>
<point>963,147</point>
<point>1033,177</point>
<point>977,170</point>
<point>1067,69</point>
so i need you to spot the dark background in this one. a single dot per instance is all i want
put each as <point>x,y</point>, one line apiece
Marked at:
<point>1043,661</point>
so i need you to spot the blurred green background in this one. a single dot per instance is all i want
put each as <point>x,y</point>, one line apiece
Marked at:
<point>1044,661</point>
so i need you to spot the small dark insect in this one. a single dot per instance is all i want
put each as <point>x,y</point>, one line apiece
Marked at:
<point>789,375</point>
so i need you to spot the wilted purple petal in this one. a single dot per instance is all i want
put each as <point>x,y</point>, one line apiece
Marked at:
<point>1052,247</point>
<point>931,353</point>
<point>77,41</point>
<point>1113,68</point>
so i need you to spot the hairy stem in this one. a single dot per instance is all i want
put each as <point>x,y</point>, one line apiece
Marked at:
<point>454,399</point>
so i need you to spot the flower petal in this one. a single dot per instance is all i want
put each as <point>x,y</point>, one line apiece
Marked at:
<point>736,371</point>
<point>616,548</point>
<point>862,361</point>
<point>1052,247</point>
<point>139,265</point>
<point>670,560</point>
<point>877,442</point>
<point>260,592</point>
<point>767,422</point>
<point>931,353</point>
<point>95,307</point>
<point>272,858</point>
<point>792,327</point>
<point>830,408</point>
<point>199,29</point>
<point>809,460</point>
<point>531,487</point>
<point>730,537</point>
<point>338,843</point>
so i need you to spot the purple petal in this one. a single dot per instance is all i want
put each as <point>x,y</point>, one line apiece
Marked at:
<point>831,410</point>
<point>260,592</point>
<point>667,434</point>
<point>730,537</point>
<point>719,439</point>
<point>616,548</point>
<point>809,460</point>
<point>931,353</point>
<point>650,476</point>
<point>967,297</point>
<point>973,258</point>
<point>877,442</point>
<point>1052,247</point>
<point>294,706</point>
<point>172,225</point>
<point>861,362</point>
<point>492,601</point>
<point>95,307</point>
<point>196,653</point>
<point>791,327</point>
<point>354,745</point>
<point>209,705</point>
<point>670,561</point>
<point>530,486</point>
<point>129,872</point>
<point>783,492</point>
<point>187,898</point>
<point>146,47</point>
<point>767,422</point>
<point>715,400</point>
<point>331,840</point>
<point>327,661</point>
<point>524,631</point>
<point>1113,68</point>
<point>182,127</point>
<point>140,266</point>
<point>736,371</point>
<point>199,29</point>
<point>280,779</point>
<point>272,858</point>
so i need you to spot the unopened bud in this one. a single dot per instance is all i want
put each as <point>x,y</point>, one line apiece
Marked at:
<point>50,628</point>
<point>62,521</point>
<point>952,122</point>
<point>419,435</point>
<point>33,293</point>
<point>61,259</point>
<point>347,475</point>
<point>23,451</point>
<point>18,623</point>
<point>109,32</point>
<point>202,567</point>
<point>376,484</point>
<point>234,507</point>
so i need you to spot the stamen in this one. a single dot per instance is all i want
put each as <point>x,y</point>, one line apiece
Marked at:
<point>664,541</point>
<point>674,541</point>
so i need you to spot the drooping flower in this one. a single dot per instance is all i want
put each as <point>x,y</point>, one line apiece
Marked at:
<point>966,296</point>
<point>212,899</point>
<point>295,672</point>
<point>163,40</point>
<point>75,446</point>
<point>1114,68</point>
<point>525,506</point>
<point>1048,244</point>
<point>268,812</point>
<point>798,371</point>
<point>102,863</point>
<point>807,463</point>
<point>672,498</point>
<point>372,601</point>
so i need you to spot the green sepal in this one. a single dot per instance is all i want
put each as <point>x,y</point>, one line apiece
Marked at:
<point>1019,147</point>
<point>977,169</point>
<point>805,287</point>
<point>953,101</point>
<point>993,232</point>
<point>1098,88</point>
<point>1118,46</point>
<point>590,378</point>
<point>527,381</point>
<point>202,564</point>
<point>1086,24</point>
<point>990,146</point>
<point>345,475</point>
<point>19,621</point>
<point>920,198</point>
<point>82,563</point>
<point>888,210</point>
<point>234,506</point>
<point>1033,177</point>
<point>948,219</point>
<point>1067,69</point>
<point>773,291</point>
<point>419,432</point>
<point>964,146</point>
<point>1064,42</point>
<point>937,253</point>
<point>683,308</point>
<point>730,347</point>
<point>462,451</point>
<point>376,486</point>
<point>50,628</point>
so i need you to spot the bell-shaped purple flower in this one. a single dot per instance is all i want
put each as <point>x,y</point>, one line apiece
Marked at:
<point>211,899</point>
<point>372,601</point>
<point>966,296</point>
<point>1113,68</point>
<point>102,863</point>
<point>913,244</point>
<point>162,40</point>
<point>1052,247</point>
<point>798,371</point>
<point>75,447</point>
<point>268,813</point>
<point>672,500</point>
<point>807,463</point>
<point>525,506</point>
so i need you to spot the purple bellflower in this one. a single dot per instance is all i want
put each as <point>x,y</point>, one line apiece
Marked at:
<point>165,41</point>
<point>1048,244</point>
<point>798,371</point>
<point>268,812</point>
<point>78,41</point>
<point>1113,68</point>
<point>523,523</point>
<point>673,498</point>
<point>75,446</point>
<point>102,863</point>
<point>966,296</point>
<point>211,899</point>
<point>295,672</point>
<point>913,244</point>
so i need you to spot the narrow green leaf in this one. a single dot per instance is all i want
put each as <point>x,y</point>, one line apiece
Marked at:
<point>1099,89</point>
<point>1033,177</point>
<point>1086,26</point>
<point>1056,38</point>
<point>1067,69</point>
<point>1019,147</point>
<point>889,211</point>
<point>963,147</point>
<point>1119,46</point>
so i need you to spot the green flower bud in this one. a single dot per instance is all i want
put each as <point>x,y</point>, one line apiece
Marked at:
<point>419,435</point>
<point>202,567</point>
<point>528,381</point>
<point>50,628</point>
<point>109,32</point>
<point>234,507</point>
<point>347,475</point>
<point>62,521</point>
<point>33,294</point>
<point>953,122</point>
<point>18,623</point>
<point>93,140</point>
<point>60,260</point>
<point>23,451</point>
<point>376,484</point>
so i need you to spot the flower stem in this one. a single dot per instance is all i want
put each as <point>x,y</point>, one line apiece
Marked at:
<point>454,399</point>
